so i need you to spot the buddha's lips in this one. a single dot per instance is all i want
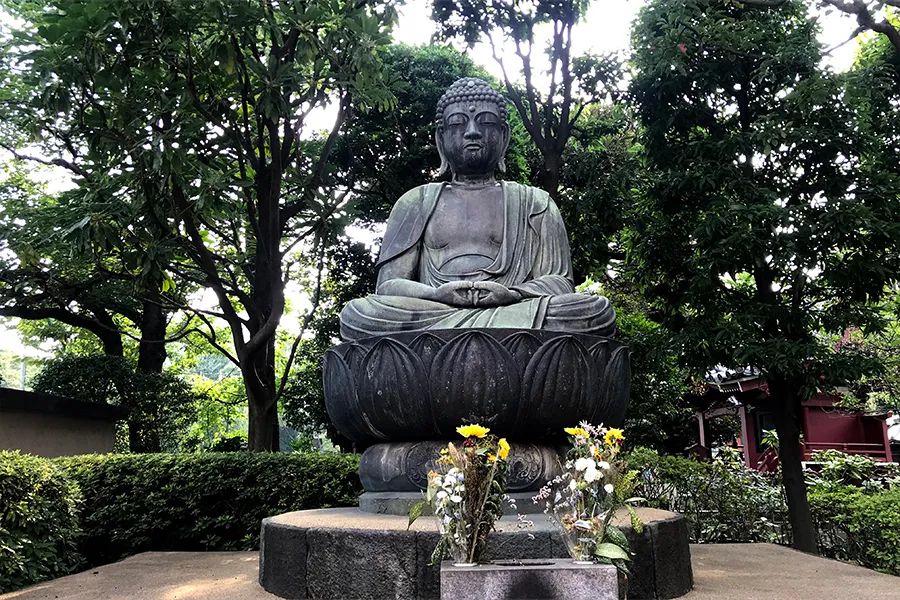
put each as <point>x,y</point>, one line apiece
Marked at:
<point>473,147</point>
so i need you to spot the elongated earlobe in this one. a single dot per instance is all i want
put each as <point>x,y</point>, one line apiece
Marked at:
<point>501,166</point>
<point>445,166</point>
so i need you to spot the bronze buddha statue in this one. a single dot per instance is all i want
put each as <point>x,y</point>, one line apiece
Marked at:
<point>475,252</point>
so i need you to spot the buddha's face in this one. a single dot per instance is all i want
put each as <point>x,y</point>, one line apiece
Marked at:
<point>473,137</point>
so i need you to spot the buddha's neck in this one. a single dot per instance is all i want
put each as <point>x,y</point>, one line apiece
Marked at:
<point>484,179</point>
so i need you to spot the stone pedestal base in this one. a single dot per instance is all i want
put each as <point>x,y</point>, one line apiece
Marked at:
<point>553,579</point>
<point>346,553</point>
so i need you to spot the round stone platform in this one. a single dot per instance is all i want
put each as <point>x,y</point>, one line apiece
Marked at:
<point>347,553</point>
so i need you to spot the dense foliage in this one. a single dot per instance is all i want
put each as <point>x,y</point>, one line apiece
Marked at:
<point>39,524</point>
<point>185,126</point>
<point>722,500</point>
<point>858,526</point>
<point>855,503</point>
<point>161,406</point>
<point>136,503</point>
<point>763,236</point>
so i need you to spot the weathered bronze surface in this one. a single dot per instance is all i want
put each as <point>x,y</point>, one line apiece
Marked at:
<point>475,319</point>
<point>525,385</point>
<point>475,252</point>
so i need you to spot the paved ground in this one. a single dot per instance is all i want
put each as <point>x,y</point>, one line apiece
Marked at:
<point>721,572</point>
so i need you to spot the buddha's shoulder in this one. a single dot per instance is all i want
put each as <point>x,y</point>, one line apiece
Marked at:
<point>540,198</point>
<point>416,195</point>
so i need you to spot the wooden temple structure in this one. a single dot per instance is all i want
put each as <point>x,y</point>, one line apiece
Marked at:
<point>824,427</point>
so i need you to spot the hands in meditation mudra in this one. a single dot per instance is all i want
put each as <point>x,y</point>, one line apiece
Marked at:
<point>475,252</point>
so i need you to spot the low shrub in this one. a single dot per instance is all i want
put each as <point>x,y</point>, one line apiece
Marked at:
<point>834,466</point>
<point>721,499</point>
<point>38,521</point>
<point>856,507</point>
<point>207,501</point>
<point>858,526</point>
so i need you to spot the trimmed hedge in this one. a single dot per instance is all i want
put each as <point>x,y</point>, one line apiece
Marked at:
<point>211,501</point>
<point>856,526</point>
<point>38,521</point>
<point>724,502</point>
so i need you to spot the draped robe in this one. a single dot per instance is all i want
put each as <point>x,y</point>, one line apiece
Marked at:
<point>533,259</point>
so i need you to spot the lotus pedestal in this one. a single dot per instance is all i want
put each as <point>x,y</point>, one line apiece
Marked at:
<point>402,396</point>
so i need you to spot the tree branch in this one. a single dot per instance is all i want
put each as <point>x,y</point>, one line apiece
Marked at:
<point>55,162</point>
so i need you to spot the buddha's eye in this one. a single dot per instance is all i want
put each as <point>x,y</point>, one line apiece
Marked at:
<point>457,119</point>
<point>488,118</point>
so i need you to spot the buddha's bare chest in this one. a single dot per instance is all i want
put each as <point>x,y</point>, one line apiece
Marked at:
<point>466,228</point>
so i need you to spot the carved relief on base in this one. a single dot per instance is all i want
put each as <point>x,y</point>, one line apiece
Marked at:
<point>523,384</point>
<point>404,466</point>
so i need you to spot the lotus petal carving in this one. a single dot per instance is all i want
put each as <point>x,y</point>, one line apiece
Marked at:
<point>522,345</point>
<point>560,380</point>
<point>616,387</point>
<point>392,390</point>
<point>426,346</point>
<point>341,401</point>
<point>523,384</point>
<point>474,379</point>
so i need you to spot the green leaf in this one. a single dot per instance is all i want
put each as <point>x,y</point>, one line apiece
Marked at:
<point>611,551</point>
<point>617,537</point>
<point>636,522</point>
<point>415,511</point>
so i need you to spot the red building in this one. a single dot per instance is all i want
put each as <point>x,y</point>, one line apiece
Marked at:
<point>824,427</point>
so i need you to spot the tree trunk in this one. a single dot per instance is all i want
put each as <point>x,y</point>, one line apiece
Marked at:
<point>152,348</point>
<point>105,328</point>
<point>786,403</point>
<point>262,415</point>
<point>267,298</point>
<point>550,174</point>
<point>112,342</point>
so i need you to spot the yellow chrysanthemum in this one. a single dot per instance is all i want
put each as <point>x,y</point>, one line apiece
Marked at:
<point>576,431</point>
<point>504,448</point>
<point>613,436</point>
<point>492,458</point>
<point>468,431</point>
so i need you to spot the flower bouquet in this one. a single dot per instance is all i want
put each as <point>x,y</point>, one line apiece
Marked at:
<point>583,500</point>
<point>466,492</point>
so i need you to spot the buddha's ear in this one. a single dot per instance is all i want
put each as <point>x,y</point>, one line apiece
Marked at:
<point>439,142</point>
<point>501,166</point>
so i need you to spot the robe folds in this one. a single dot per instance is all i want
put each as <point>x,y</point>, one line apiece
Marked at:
<point>533,259</point>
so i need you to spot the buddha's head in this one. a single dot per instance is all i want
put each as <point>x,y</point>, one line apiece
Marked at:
<point>472,132</point>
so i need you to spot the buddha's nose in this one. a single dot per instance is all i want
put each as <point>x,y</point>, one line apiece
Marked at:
<point>472,132</point>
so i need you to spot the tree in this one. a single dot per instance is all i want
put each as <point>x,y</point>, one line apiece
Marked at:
<point>761,237</point>
<point>657,415</point>
<point>602,174</point>
<point>196,116</point>
<point>161,406</point>
<point>870,15</point>
<point>43,278</point>
<point>576,82</point>
<point>350,268</point>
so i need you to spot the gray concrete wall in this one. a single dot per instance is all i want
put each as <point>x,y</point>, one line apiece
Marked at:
<point>55,435</point>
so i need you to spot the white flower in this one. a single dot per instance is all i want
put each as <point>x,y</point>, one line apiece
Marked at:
<point>609,488</point>
<point>603,465</point>
<point>456,498</point>
<point>584,463</point>
<point>572,485</point>
<point>442,494</point>
<point>591,474</point>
